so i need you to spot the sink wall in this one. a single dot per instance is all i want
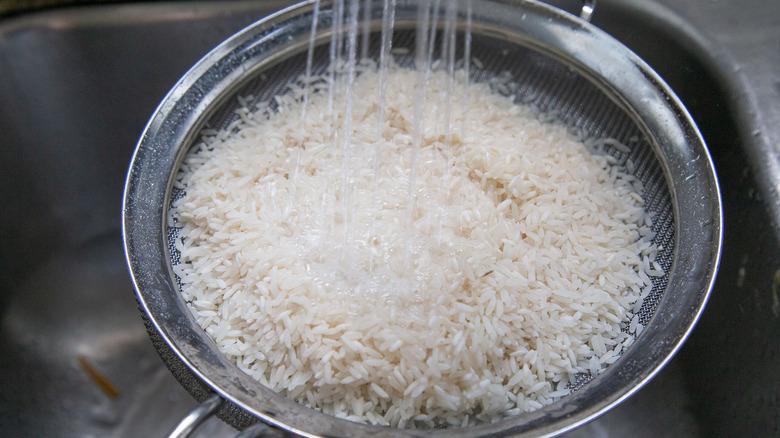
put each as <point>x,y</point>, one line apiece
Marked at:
<point>78,85</point>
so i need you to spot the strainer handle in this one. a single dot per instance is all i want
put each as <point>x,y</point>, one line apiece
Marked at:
<point>587,9</point>
<point>196,417</point>
<point>209,407</point>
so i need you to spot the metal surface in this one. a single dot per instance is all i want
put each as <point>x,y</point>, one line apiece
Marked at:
<point>594,82</point>
<point>78,86</point>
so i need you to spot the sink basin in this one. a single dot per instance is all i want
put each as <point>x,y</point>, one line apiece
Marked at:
<point>79,84</point>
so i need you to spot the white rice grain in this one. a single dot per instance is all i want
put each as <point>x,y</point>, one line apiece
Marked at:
<point>521,260</point>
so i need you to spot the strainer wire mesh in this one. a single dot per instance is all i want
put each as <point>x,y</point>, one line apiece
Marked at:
<point>549,85</point>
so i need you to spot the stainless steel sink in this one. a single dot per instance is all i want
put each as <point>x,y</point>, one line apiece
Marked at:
<point>78,84</point>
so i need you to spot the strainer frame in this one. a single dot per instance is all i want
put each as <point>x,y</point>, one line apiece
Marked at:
<point>611,66</point>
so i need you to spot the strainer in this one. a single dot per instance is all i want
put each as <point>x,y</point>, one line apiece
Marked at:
<point>563,65</point>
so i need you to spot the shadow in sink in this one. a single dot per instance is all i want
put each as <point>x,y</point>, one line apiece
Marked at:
<point>78,87</point>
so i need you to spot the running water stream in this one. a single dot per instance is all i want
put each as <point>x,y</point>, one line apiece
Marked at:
<point>388,21</point>
<point>350,49</point>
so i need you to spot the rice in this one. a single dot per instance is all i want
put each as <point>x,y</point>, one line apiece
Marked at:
<point>512,265</point>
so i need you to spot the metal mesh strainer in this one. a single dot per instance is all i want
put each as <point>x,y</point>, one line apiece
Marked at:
<point>562,65</point>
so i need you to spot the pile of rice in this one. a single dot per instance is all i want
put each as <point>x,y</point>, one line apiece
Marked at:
<point>519,266</point>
